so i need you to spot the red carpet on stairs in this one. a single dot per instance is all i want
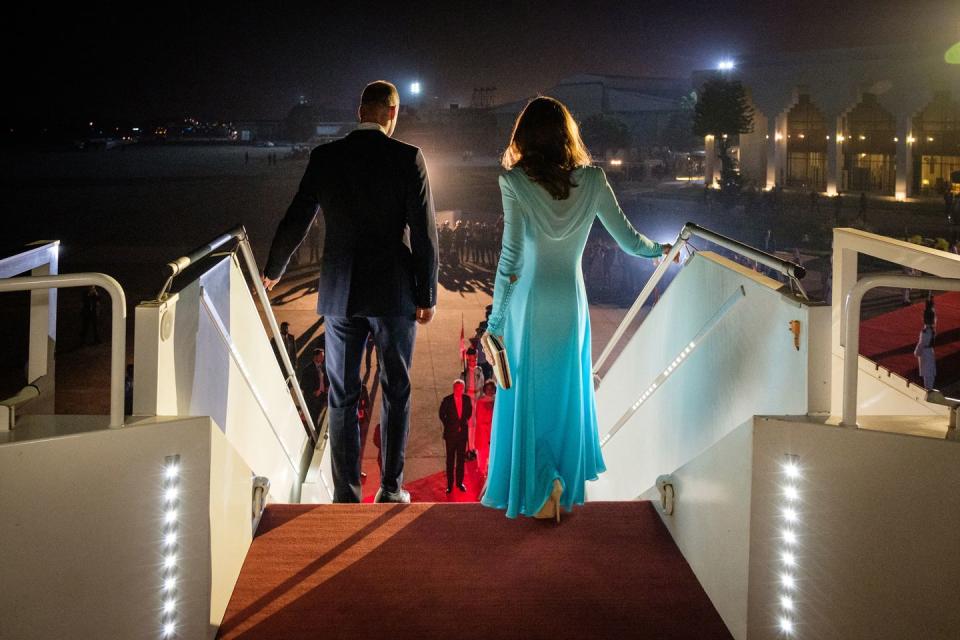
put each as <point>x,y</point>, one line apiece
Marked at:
<point>889,339</point>
<point>461,571</point>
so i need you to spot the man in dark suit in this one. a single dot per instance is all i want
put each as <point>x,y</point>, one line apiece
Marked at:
<point>378,275</point>
<point>315,384</point>
<point>455,412</point>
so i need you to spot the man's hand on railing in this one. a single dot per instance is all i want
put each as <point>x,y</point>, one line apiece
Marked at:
<point>425,315</point>
<point>269,283</point>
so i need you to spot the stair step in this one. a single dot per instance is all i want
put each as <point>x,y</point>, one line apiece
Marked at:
<point>425,570</point>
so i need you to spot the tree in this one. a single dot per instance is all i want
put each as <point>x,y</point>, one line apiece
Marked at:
<point>301,122</point>
<point>602,133</point>
<point>724,112</point>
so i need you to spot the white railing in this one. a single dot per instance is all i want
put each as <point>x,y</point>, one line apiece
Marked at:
<point>118,329</point>
<point>239,233</point>
<point>848,292</point>
<point>851,322</point>
<point>42,260</point>
<point>793,272</point>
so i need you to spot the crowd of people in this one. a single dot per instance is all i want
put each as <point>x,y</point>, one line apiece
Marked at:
<point>466,241</point>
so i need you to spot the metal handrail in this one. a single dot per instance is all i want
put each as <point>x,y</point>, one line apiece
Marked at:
<point>118,348</point>
<point>239,233</point>
<point>851,329</point>
<point>789,269</point>
<point>180,264</point>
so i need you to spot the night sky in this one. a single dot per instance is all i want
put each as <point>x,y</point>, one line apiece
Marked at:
<point>233,62</point>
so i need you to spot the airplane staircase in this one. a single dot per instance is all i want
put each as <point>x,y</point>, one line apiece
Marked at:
<point>734,505</point>
<point>609,570</point>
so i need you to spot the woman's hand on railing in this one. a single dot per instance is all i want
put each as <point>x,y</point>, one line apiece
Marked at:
<point>666,251</point>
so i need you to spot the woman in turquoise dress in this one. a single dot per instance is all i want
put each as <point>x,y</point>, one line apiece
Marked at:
<point>544,441</point>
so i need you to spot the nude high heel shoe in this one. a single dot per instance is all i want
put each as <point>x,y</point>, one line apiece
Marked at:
<point>551,509</point>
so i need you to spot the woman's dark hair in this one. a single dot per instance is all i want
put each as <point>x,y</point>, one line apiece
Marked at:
<point>546,144</point>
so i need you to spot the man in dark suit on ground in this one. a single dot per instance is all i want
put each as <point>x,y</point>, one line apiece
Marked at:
<point>378,275</point>
<point>315,384</point>
<point>455,412</point>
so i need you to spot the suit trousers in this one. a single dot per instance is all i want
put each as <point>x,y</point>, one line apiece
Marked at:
<point>456,452</point>
<point>345,340</point>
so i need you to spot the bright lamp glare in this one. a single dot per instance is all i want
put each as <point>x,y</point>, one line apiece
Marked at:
<point>415,88</point>
<point>791,493</point>
<point>170,516</point>
<point>168,606</point>
<point>170,494</point>
<point>170,539</point>
<point>172,471</point>
<point>725,65</point>
<point>787,581</point>
<point>169,584</point>
<point>792,470</point>
<point>786,625</point>
<point>169,561</point>
<point>789,536</point>
<point>788,558</point>
<point>168,630</point>
<point>790,515</point>
<point>786,602</point>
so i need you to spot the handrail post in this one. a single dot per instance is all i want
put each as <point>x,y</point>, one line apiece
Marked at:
<point>247,251</point>
<point>243,243</point>
<point>118,330</point>
<point>792,271</point>
<point>851,329</point>
<point>641,300</point>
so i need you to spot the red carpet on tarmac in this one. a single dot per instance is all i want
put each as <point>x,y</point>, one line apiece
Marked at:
<point>461,571</point>
<point>889,339</point>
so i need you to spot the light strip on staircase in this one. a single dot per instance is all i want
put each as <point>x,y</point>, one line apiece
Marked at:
<point>169,533</point>
<point>681,357</point>
<point>785,558</point>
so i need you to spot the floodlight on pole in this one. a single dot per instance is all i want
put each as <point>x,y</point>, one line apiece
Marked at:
<point>415,88</point>
<point>952,56</point>
<point>725,65</point>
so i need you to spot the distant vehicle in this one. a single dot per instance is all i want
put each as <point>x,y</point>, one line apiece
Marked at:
<point>266,143</point>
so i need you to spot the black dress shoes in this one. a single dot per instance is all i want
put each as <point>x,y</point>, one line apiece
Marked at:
<point>400,495</point>
<point>449,489</point>
<point>462,487</point>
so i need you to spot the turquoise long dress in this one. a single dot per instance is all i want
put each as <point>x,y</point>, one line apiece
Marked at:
<point>545,426</point>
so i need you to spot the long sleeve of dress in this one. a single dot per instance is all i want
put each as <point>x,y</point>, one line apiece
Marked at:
<point>616,223</point>
<point>511,257</point>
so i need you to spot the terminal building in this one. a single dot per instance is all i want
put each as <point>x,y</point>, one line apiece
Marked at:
<point>882,120</point>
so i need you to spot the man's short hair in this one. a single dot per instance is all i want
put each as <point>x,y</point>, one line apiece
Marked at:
<point>460,382</point>
<point>380,93</point>
<point>318,350</point>
<point>471,351</point>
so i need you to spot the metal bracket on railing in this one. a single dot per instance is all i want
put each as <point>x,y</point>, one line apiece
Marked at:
<point>935,397</point>
<point>177,266</point>
<point>22,397</point>
<point>261,488</point>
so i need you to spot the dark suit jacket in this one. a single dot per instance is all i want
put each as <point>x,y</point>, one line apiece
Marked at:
<point>454,426</point>
<point>380,241</point>
<point>310,378</point>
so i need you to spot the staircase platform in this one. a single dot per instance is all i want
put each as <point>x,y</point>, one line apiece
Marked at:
<point>426,570</point>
